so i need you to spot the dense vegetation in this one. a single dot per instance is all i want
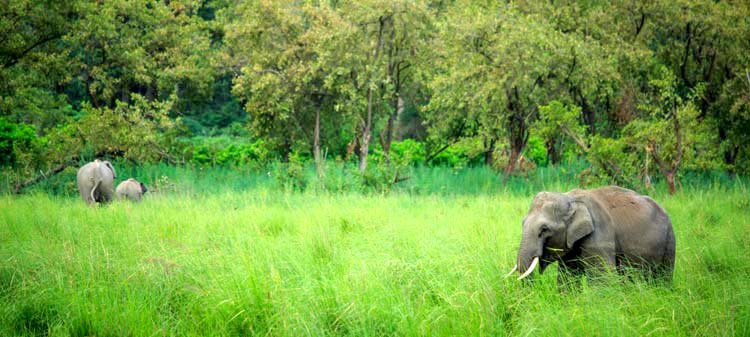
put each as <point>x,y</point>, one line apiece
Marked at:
<point>361,168</point>
<point>217,252</point>
<point>638,91</point>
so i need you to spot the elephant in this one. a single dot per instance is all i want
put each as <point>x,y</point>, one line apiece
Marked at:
<point>130,189</point>
<point>96,182</point>
<point>609,228</point>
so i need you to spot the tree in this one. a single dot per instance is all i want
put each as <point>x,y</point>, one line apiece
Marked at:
<point>502,63</point>
<point>140,131</point>
<point>558,121</point>
<point>34,61</point>
<point>290,69</point>
<point>670,130</point>
<point>698,41</point>
<point>155,49</point>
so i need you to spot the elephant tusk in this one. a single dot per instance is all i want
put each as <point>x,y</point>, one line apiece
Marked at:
<point>531,268</point>
<point>512,271</point>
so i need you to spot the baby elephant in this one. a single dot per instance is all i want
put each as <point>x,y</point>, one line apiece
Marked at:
<point>131,189</point>
<point>607,228</point>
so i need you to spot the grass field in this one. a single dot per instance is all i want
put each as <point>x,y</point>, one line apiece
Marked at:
<point>232,262</point>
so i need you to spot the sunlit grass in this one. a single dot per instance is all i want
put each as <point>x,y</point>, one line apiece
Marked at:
<point>264,262</point>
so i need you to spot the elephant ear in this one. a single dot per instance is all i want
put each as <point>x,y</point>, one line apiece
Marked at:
<point>579,224</point>
<point>111,168</point>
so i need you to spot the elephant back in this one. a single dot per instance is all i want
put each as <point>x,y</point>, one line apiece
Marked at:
<point>87,171</point>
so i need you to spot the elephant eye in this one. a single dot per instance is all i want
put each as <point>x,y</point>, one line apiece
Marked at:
<point>543,230</point>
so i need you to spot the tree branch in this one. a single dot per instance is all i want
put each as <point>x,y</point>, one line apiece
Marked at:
<point>18,56</point>
<point>20,186</point>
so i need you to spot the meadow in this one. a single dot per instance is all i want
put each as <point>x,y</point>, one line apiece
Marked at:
<point>226,253</point>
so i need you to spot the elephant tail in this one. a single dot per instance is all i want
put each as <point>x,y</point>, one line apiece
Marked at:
<point>96,184</point>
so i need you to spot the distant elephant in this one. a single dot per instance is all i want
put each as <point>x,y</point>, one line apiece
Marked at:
<point>131,189</point>
<point>607,228</point>
<point>96,182</point>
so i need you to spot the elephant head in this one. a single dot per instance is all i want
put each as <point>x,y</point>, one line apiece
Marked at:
<point>553,225</point>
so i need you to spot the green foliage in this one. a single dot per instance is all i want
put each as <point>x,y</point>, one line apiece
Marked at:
<point>451,157</point>
<point>557,119</point>
<point>602,81</point>
<point>136,130</point>
<point>615,161</point>
<point>536,152</point>
<point>291,176</point>
<point>15,140</point>
<point>229,151</point>
<point>405,152</point>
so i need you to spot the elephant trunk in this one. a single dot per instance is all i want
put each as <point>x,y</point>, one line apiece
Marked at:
<point>529,254</point>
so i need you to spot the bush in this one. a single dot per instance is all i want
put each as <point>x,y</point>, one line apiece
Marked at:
<point>15,139</point>
<point>464,153</point>
<point>408,151</point>
<point>227,151</point>
<point>291,176</point>
<point>536,151</point>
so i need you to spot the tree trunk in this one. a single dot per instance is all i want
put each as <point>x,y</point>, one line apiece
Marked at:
<point>670,181</point>
<point>287,150</point>
<point>730,154</point>
<point>587,113</point>
<point>518,132</point>
<point>316,143</point>
<point>590,117</point>
<point>489,152</point>
<point>386,138</point>
<point>553,157</point>
<point>646,174</point>
<point>364,145</point>
<point>512,161</point>
<point>367,127</point>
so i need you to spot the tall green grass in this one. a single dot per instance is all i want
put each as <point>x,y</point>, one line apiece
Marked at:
<point>216,253</point>
<point>344,178</point>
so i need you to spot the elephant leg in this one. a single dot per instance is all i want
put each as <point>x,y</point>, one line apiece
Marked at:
<point>86,195</point>
<point>106,195</point>
<point>598,262</point>
<point>638,268</point>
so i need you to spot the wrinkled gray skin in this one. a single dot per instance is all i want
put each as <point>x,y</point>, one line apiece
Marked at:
<point>604,228</point>
<point>130,189</point>
<point>96,182</point>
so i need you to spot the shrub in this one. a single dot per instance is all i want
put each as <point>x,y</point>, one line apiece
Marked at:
<point>464,153</point>
<point>536,152</point>
<point>408,151</point>
<point>15,139</point>
<point>292,175</point>
<point>227,151</point>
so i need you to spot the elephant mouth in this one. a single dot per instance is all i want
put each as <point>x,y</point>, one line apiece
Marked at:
<point>544,261</point>
<point>549,255</point>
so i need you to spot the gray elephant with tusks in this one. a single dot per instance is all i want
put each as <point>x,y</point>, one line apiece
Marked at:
<point>130,189</point>
<point>604,228</point>
<point>96,182</point>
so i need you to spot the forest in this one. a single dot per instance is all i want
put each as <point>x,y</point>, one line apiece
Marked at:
<point>628,92</point>
<point>374,168</point>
